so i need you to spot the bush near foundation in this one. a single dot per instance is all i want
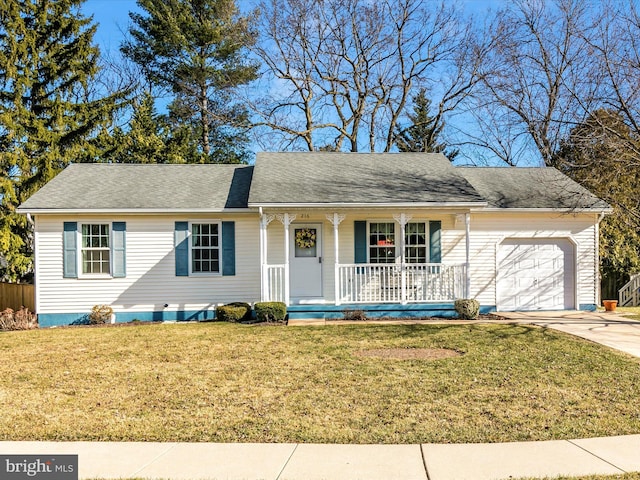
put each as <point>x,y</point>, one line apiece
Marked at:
<point>100,314</point>
<point>23,319</point>
<point>270,311</point>
<point>467,309</point>
<point>233,312</point>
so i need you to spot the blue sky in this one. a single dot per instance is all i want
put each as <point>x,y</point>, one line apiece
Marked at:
<point>112,17</point>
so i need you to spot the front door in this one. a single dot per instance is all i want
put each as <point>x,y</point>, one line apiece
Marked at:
<point>305,264</point>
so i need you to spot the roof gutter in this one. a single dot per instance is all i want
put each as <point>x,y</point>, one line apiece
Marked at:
<point>371,205</point>
<point>602,210</point>
<point>129,211</point>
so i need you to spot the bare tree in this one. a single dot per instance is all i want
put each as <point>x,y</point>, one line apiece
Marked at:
<point>615,51</point>
<point>342,71</point>
<point>540,79</point>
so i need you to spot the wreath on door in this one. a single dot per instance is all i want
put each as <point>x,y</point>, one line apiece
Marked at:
<point>306,238</point>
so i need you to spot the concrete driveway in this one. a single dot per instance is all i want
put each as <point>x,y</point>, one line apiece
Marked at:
<point>606,328</point>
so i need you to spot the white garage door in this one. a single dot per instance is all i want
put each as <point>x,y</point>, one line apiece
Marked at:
<point>536,274</point>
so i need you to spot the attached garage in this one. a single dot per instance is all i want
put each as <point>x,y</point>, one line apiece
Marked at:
<point>536,274</point>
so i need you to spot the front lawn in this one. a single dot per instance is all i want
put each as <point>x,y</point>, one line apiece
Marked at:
<point>234,383</point>
<point>632,313</point>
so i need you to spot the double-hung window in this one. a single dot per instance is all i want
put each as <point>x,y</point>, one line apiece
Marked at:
<point>95,249</point>
<point>415,243</point>
<point>205,248</point>
<point>382,242</point>
<point>383,247</point>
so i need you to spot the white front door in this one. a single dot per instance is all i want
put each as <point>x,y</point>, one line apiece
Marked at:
<point>305,261</point>
<point>536,274</point>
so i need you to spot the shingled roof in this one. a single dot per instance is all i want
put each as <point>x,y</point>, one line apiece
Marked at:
<point>306,180</point>
<point>509,187</point>
<point>144,187</point>
<point>317,178</point>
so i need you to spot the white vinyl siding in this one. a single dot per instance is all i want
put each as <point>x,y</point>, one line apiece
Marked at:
<point>489,230</point>
<point>151,281</point>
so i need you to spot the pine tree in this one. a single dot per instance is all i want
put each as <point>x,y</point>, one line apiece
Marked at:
<point>195,48</point>
<point>145,141</point>
<point>47,117</point>
<point>424,132</point>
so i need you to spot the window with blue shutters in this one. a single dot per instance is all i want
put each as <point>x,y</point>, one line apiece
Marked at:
<point>94,249</point>
<point>205,247</point>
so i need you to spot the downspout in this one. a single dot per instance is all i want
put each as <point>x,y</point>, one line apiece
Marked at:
<point>467,225</point>
<point>36,292</point>
<point>262,257</point>
<point>597,261</point>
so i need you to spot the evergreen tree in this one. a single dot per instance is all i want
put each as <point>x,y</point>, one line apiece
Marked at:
<point>603,155</point>
<point>195,48</point>
<point>47,116</point>
<point>424,132</point>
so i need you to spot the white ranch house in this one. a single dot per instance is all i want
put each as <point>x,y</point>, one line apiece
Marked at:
<point>392,234</point>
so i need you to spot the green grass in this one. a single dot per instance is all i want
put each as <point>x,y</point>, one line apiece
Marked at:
<point>234,383</point>
<point>630,312</point>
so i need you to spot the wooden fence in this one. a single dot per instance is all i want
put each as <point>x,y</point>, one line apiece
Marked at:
<point>16,295</point>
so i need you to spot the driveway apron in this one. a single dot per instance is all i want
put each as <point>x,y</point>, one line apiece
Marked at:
<point>609,329</point>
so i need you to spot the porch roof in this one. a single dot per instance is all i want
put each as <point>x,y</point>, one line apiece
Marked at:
<point>322,178</point>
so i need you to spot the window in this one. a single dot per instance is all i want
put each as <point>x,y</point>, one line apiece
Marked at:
<point>415,243</point>
<point>205,248</point>
<point>96,252</point>
<point>382,243</point>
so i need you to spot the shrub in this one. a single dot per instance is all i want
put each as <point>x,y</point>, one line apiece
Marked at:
<point>467,309</point>
<point>100,314</point>
<point>271,311</point>
<point>355,315</point>
<point>23,319</point>
<point>233,312</point>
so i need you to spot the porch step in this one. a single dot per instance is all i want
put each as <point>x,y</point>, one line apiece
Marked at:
<point>414,310</point>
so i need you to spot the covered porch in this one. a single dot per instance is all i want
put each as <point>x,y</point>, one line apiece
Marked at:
<point>396,258</point>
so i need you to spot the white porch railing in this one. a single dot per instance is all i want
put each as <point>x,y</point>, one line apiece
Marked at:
<point>629,295</point>
<point>393,283</point>
<point>274,279</point>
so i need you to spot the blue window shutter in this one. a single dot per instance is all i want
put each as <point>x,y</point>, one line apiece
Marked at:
<point>181,239</point>
<point>435,249</point>
<point>119,235</point>
<point>70,250</point>
<point>360,241</point>
<point>228,248</point>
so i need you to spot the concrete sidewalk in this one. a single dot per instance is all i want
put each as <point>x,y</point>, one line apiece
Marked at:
<point>606,328</point>
<point>193,461</point>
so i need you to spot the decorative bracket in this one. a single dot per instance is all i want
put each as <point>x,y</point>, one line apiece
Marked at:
<point>286,218</point>
<point>335,218</point>
<point>402,218</point>
<point>267,219</point>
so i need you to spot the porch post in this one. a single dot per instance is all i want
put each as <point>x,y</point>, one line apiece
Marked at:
<point>335,220</point>
<point>286,220</point>
<point>467,284</point>
<point>265,220</point>
<point>402,219</point>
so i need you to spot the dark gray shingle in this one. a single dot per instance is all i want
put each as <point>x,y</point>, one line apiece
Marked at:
<point>146,187</point>
<point>357,178</point>
<point>510,187</point>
